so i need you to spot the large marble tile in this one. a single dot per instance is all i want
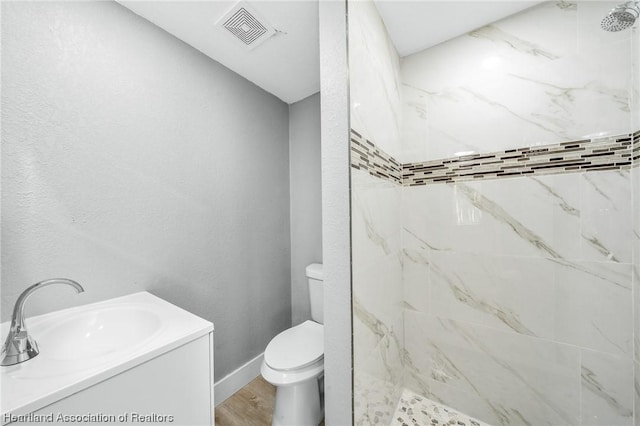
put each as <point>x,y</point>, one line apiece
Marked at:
<point>635,173</point>
<point>635,105</point>
<point>378,289</point>
<point>547,74</point>
<point>378,373</point>
<point>385,361</point>
<point>423,209</point>
<point>636,309</point>
<point>377,267</point>
<point>588,304</point>
<point>606,395</point>
<point>378,377</point>
<point>574,216</point>
<point>413,379</point>
<point>368,331</point>
<point>543,212</point>
<point>606,213</point>
<point>377,302</point>
<point>598,295</point>
<point>374,400</point>
<point>537,217</point>
<point>377,297</point>
<point>528,380</point>
<point>373,78</point>
<point>635,183</point>
<point>375,218</point>
<point>508,293</point>
<point>607,389</point>
<point>415,272</point>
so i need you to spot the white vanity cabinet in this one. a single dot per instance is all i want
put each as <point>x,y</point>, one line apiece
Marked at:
<point>168,380</point>
<point>175,387</point>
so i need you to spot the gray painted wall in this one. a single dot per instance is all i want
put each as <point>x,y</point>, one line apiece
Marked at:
<point>306,199</point>
<point>130,162</point>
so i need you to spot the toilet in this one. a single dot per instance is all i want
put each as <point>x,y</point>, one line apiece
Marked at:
<point>294,363</point>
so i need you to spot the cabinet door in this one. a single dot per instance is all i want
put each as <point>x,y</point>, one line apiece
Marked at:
<point>176,384</point>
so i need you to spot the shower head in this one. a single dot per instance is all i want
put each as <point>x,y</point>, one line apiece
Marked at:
<point>621,17</point>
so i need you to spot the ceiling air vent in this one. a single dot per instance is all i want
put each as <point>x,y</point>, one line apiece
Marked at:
<point>246,25</point>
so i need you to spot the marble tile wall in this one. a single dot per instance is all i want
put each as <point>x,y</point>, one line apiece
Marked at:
<point>377,293</point>
<point>518,296</point>
<point>548,74</point>
<point>635,184</point>
<point>511,300</point>
<point>374,78</point>
<point>635,173</point>
<point>539,265</point>
<point>636,284</point>
<point>377,297</point>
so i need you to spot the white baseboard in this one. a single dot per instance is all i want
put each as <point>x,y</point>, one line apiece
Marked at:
<point>237,379</point>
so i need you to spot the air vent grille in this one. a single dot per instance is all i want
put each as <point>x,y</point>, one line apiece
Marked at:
<point>246,25</point>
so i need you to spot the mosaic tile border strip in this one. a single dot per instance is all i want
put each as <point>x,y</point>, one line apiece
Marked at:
<point>612,153</point>
<point>365,155</point>
<point>414,410</point>
<point>575,156</point>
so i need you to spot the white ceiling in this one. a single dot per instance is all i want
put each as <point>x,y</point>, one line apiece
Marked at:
<point>416,25</point>
<point>287,65</point>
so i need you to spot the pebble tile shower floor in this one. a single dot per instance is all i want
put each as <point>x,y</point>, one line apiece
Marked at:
<point>416,410</point>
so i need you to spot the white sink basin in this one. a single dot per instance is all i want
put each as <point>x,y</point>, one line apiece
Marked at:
<point>98,333</point>
<point>82,346</point>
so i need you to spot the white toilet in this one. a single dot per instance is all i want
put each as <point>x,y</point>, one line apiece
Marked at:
<point>294,363</point>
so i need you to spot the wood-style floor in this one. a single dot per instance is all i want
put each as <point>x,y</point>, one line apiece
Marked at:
<point>250,406</point>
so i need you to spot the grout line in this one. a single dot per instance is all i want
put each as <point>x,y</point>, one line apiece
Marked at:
<point>545,340</point>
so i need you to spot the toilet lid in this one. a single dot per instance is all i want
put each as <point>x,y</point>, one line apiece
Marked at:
<point>296,347</point>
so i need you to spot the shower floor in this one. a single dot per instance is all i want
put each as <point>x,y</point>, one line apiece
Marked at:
<point>414,410</point>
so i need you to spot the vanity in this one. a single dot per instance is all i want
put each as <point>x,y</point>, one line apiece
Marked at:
<point>131,360</point>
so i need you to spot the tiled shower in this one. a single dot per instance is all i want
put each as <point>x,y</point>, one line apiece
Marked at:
<point>496,221</point>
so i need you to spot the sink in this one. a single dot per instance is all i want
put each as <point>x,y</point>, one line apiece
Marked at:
<point>85,345</point>
<point>98,333</point>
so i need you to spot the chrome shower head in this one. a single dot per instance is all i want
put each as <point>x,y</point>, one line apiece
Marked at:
<point>621,17</point>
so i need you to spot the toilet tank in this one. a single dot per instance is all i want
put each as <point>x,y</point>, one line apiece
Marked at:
<point>315,277</point>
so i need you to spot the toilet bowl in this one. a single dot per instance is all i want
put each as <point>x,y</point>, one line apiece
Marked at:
<point>294,363</point>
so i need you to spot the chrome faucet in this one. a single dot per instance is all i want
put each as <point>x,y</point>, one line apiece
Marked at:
<point>19,346</point>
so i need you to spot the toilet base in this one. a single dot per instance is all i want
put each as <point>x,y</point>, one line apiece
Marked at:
<point>298,405</point>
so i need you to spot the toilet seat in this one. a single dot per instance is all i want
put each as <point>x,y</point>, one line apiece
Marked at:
<point>296,348</point>
<point>292,377</point>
